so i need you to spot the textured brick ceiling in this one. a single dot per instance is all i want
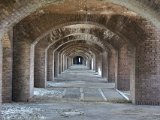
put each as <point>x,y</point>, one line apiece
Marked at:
<point>128,25</point>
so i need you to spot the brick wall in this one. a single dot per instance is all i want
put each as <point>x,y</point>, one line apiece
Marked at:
<point>22,83</point>
<point>40,66</point>
<point>154,4</point>
<point>1,72</point>
<point>105,65</point>
<point>123,80</point>
<point>111,67</point>
<point>56,64</point>
<point>7,68</point>
<point>147,82</point>
<point>50,70</point>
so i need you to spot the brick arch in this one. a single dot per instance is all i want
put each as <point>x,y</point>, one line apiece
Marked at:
<point>54,46</point>
<point>76,38</point>
<point>118,24</point>
<point>83,48</point>
<point>101,57</point>
<point>74,54</point>
<point>65,46</point>
<point>81,53</point>
<point>24,8</point>
<point>58,30</point>
<point>85,58</point>
<point>103,34</point>
<point>114,28</point>
<point>70,51</point>
<point>40,77</point>
<point>93,47</point>
<point>7,67</point>
<point>142,55</point>
<point>66,32</point>
<point>79,48</point>
<point>45,42</point>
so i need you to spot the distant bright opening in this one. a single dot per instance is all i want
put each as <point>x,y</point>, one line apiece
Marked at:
<point>78,60</point>
<point>99,71</point>
<point>92,64</point>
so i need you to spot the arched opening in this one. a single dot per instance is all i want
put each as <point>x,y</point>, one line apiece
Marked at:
<point>83,51</point>
<point>78,60</point>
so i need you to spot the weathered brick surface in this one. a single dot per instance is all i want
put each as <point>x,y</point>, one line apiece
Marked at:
<point>105,65</point>
<point>69,49</point>
<point>7,67</point>
<point>147,79</point>
<point>123,80</point>
<point>62,67</point>
<point>64,62</point>
<point>69,62</point>
<point>40,69</point>
<point>93,60</point>
<point>56,64</point>
<point>99,64</point>
<point>154,4</point>
<point>22,83</point>
<point>1,72</point>
<point>50,65</point>
<point>111,67</point>
<point>60,63</point>
<point>13,12</point>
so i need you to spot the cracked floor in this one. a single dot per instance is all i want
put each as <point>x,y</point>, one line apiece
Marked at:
<point>79,94</point>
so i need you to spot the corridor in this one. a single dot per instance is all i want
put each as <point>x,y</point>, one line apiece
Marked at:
<point>78,94</point>
<point>78,83</point>
<point>80,59</point>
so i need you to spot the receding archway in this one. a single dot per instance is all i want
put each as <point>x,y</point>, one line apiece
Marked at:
<point>78,60</point>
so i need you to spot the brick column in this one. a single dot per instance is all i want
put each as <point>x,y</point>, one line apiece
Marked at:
<point>66,62</point>
<point>22,89</point>
<point>88,63</point>
<point>104,65</point>
<point>1,62</point>
<point>123,80</point>
<point>60,63</point>
<point>7,68</point>
<point>50,68</point>
<point>69,62</point>
<point>84,61</point>
<point>147,71</point>
<point>40,69</point>
<point>56,64</point>
<point>65,65</point>
<point>111,67</point>
<point>94,64</point>
<point>99,64</point>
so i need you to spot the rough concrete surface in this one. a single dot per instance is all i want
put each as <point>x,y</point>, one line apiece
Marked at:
<point>55,104</point>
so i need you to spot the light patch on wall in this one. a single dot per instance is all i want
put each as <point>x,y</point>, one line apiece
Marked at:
<point>79,60</point>
<point>92,64</point>
<point>130,13</point>
<point>99,71</point>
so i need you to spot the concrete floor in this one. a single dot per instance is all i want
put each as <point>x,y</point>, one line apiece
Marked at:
<point>78,94</point>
